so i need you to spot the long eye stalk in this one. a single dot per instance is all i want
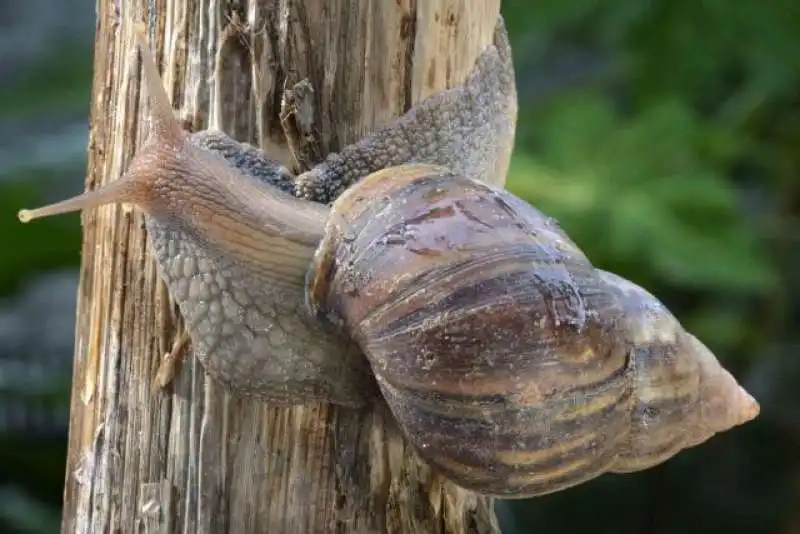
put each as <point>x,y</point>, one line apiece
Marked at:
<point>132,187</point>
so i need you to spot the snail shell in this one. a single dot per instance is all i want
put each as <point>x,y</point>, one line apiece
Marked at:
<point>512,365</point>
<point>683,396</point>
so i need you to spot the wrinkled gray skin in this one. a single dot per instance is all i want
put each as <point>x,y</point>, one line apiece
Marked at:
<point>468,129</point>
<point>250,334</point>
<point>255,337</point>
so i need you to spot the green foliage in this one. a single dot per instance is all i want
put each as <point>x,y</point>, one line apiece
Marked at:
<point>27,515</point>
<point>60,81</point>
<point>643,192</point>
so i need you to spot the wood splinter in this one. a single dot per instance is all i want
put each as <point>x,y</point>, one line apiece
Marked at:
<point>171,362</point>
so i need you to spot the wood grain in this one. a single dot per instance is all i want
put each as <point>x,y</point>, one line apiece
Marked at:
<point>192,459</point>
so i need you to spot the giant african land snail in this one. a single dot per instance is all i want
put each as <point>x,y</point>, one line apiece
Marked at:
<point>512,364</point>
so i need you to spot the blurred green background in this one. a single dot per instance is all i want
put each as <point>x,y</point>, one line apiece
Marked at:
<point>665,137</point>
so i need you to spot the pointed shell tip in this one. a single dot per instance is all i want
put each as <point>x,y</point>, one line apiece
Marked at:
<point>750,408</point>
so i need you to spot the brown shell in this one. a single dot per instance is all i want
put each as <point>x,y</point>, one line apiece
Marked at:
<point>525,393</point>
<point>682,395</point>
<point>512,365</point>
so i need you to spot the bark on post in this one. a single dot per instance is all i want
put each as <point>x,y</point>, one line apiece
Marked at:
<point>192,459</point>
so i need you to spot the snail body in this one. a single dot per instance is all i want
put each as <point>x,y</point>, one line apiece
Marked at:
<point>513,365</point>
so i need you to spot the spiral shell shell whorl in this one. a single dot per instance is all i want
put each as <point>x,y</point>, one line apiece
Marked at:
<point>682,395</point>
<point>512,365</point>
<point>490,334</point>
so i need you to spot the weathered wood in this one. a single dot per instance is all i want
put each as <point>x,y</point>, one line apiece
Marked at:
<point>192,459</point>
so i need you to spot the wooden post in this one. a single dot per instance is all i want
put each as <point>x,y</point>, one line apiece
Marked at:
<point>192,459</point>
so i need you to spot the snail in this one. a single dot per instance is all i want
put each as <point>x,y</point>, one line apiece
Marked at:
<point>404,271</point>
<point>513,365</point>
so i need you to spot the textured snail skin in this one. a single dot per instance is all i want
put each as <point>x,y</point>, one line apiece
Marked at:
<point>250,331</point>
<point>248,328</point>
<point>468,128</point>
<point>514,366</point>
<point>233,241</point>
